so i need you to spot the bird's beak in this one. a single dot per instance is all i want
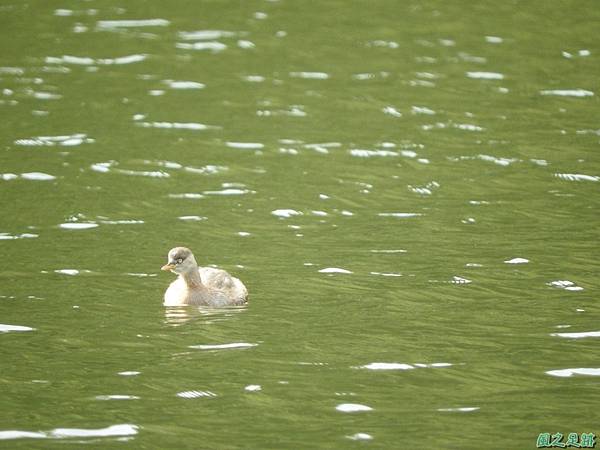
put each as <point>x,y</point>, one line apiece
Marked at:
<point>168,267</point>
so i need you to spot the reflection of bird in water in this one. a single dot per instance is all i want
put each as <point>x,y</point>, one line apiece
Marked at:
<point>203,286</point>
<point>205,315</point>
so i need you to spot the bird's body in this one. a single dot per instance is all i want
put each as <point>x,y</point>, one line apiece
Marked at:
<point>202,286</point>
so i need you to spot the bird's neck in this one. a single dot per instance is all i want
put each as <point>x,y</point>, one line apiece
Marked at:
<point>192,278</point>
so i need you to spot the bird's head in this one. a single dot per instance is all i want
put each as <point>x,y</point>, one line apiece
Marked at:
<point>180,260</point>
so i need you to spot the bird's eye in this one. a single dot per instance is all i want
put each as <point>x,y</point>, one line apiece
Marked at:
<point>179,261</point>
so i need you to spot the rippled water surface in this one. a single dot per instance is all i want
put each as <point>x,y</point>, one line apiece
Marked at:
<point>410,191</point>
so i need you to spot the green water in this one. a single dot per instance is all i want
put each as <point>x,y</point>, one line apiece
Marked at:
<point>418,146</point>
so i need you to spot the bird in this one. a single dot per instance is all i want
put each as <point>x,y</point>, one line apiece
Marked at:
<point>202,286</point>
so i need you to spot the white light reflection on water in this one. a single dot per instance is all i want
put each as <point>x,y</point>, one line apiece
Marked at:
<point>485,75</point>
<point>565,373</point>
<point>209,35</point>
<point>323,147</point>
<point>243,43</point>
<point>352,407</point>
<point>233,345</point>
<point>78,225</point>
<point>212,46</point>
<point>87,61</point>
<point>37,176</point>
<point>184,84</point>
<point>580,335</point>
<point>391,111</point>
<point>7,236</point>
<point>517,261</point>
<point>49,141</point>
<point>192,218</point>
<point>245,145</point>
<point>494,39</point>
<point>12,328</point>
<point>286,213</point>
<point>425,190</point>
<point>460,409</point>
<point>230,191</point>
<point>131,23</point>
<point>568,92</point>
<point>361,153</point>
<point>253,388</point>
<point>422,110</point>
<point>402,366</point>
<point>196,394</point>
<point>566,285</point>
<point>120,430</point>
<point>399,215</point>
<point>71,272</point>
<point>360,437</point>
<point>111,166</point>
<point>120,222</point>
<point>117,397</point>
<point>144,173</point>
<point>129,373</point>
<point>178,125</point>
<point>330,270</point>
<point>494,159</point>
<point>576,177</point>
<point>310,75</point>
<point>387,366</point>
<point>187,195</point>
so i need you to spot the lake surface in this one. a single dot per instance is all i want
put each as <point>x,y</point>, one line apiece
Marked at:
<point>409,190</point>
